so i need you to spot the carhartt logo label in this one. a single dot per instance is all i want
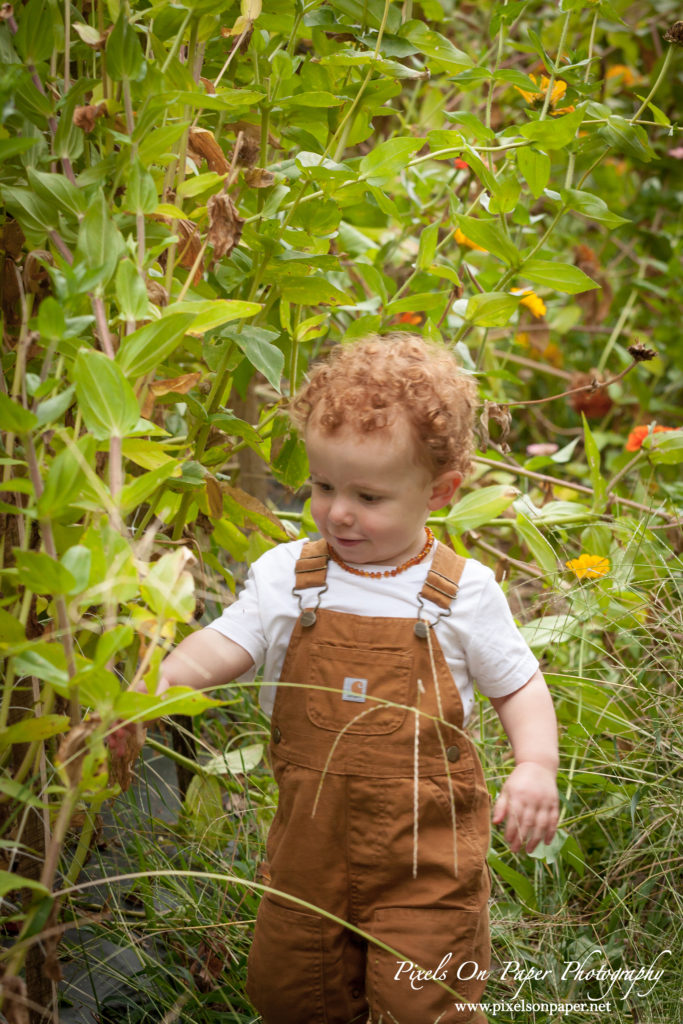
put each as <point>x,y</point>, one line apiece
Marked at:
<point>354,689</point>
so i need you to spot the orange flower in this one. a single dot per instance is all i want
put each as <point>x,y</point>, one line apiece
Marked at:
<point>638,435</point>
<point>628,75</point>
<point>460,164</point>
<point>413,319</point>
<point>531,301</point>
<point>589,565</point>
<point>462,239</point>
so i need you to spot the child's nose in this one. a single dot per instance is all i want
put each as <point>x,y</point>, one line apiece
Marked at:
<point>340,511</point>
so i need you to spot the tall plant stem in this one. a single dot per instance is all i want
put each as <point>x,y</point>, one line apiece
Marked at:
<point>618,327</point>
<point>660,78</point>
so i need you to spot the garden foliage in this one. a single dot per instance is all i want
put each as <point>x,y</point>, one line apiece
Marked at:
<point>197,198</point>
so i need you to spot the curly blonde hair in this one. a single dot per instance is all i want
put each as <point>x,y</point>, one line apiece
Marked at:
<point>368,382</point>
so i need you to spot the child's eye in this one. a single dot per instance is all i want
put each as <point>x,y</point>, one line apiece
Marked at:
<point>369,498</point>
<point>322,486</point>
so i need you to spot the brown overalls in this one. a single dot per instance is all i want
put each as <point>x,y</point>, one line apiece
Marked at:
<point>376,780</point>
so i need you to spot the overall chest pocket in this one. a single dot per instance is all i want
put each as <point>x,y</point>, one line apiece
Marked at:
<point>351,688</point>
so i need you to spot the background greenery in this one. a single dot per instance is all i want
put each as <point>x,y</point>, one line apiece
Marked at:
<point>198,198</point>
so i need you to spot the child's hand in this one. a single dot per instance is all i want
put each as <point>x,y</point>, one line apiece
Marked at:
<point>530,803</point>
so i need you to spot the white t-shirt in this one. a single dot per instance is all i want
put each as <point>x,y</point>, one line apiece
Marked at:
<point>479,639</point>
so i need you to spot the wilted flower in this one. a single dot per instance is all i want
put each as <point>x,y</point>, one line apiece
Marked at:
<point>462,239</point>
<point>531,300</point>
<point>638,435</point>
<point>589,566</point>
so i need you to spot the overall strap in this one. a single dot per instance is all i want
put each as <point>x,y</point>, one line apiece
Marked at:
<point>441,584</point>
<point>311,565</point>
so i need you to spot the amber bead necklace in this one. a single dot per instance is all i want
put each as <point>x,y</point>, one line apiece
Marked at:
<point>388,572</point>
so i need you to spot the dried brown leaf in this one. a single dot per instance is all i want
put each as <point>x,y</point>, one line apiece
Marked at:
<point>36,275</point>
<point>213,957</point>
<point>214,497</point>
<point>131,739</point>
<point>225,225</point>
<point>259,177</point>
<point>594,403</point>
<point>15,999</point>
<point>203,146</point>
<point>85,117</point>
<point>172,385</point>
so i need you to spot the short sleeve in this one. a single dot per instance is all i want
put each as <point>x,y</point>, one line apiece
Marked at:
<point>242,623</point>
<point>498,658</point>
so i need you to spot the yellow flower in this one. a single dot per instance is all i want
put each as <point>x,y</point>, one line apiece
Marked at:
<point>589,565</point>
<point>462,239</point>
<point>536,98</point>
<point>628,75</point>
<point>531,301</point>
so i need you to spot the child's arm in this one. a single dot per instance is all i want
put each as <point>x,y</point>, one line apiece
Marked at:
<point>529,799</point>
<point>203,660</point>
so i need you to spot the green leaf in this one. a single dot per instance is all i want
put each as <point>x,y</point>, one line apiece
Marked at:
<point>664,449</point>
<point>212,313</point>
<point>42,574</point>
<point>312,291</point>
<point>136,492</point>
<point>489,236</point>
<point>131,293</point>
<point>66,477</point>
<point>125,58</point>
<point>383,163</point>
<point>591,206</point>
<point>257,345</point>
<point>46,661</point>
<point>149,346</point>
<point>291,465</point>
<point>14,417</point>
<point>56,189</point>
<point>159,143</point>
<point>9,881</point>
<point>141,192</point>
<point>555,132</point>
<point>31,729</point>
<point>51,320</point>
<point>238,761</point>
<point>35,216</point>
<point>537,544</point>
<point>479,507</point>
<point>563,277</point>
<point>549,630</point>
<point>440,51</point>
<point>13,147</point>
<point>35,36</point>
<point>628,138</point>
<point>113,641</point>
<point>11,630</point>
<point>534,166</point>
<point>491,309</point>
<point>427,250</point>
<point>312,99</point>
<point>99,240</point>
<point>178,700</point>
<point>518,882</point>
<point>598,483</point>
<point>106,399</point>
<point>77,560</point>
<point>168,588</point>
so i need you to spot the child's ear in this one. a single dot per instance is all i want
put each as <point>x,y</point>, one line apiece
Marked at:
<point>443,489</point>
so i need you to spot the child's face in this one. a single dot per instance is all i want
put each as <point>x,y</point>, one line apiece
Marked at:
<point>370,498</point>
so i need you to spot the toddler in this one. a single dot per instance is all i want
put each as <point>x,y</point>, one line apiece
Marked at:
<point>375,633</point>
